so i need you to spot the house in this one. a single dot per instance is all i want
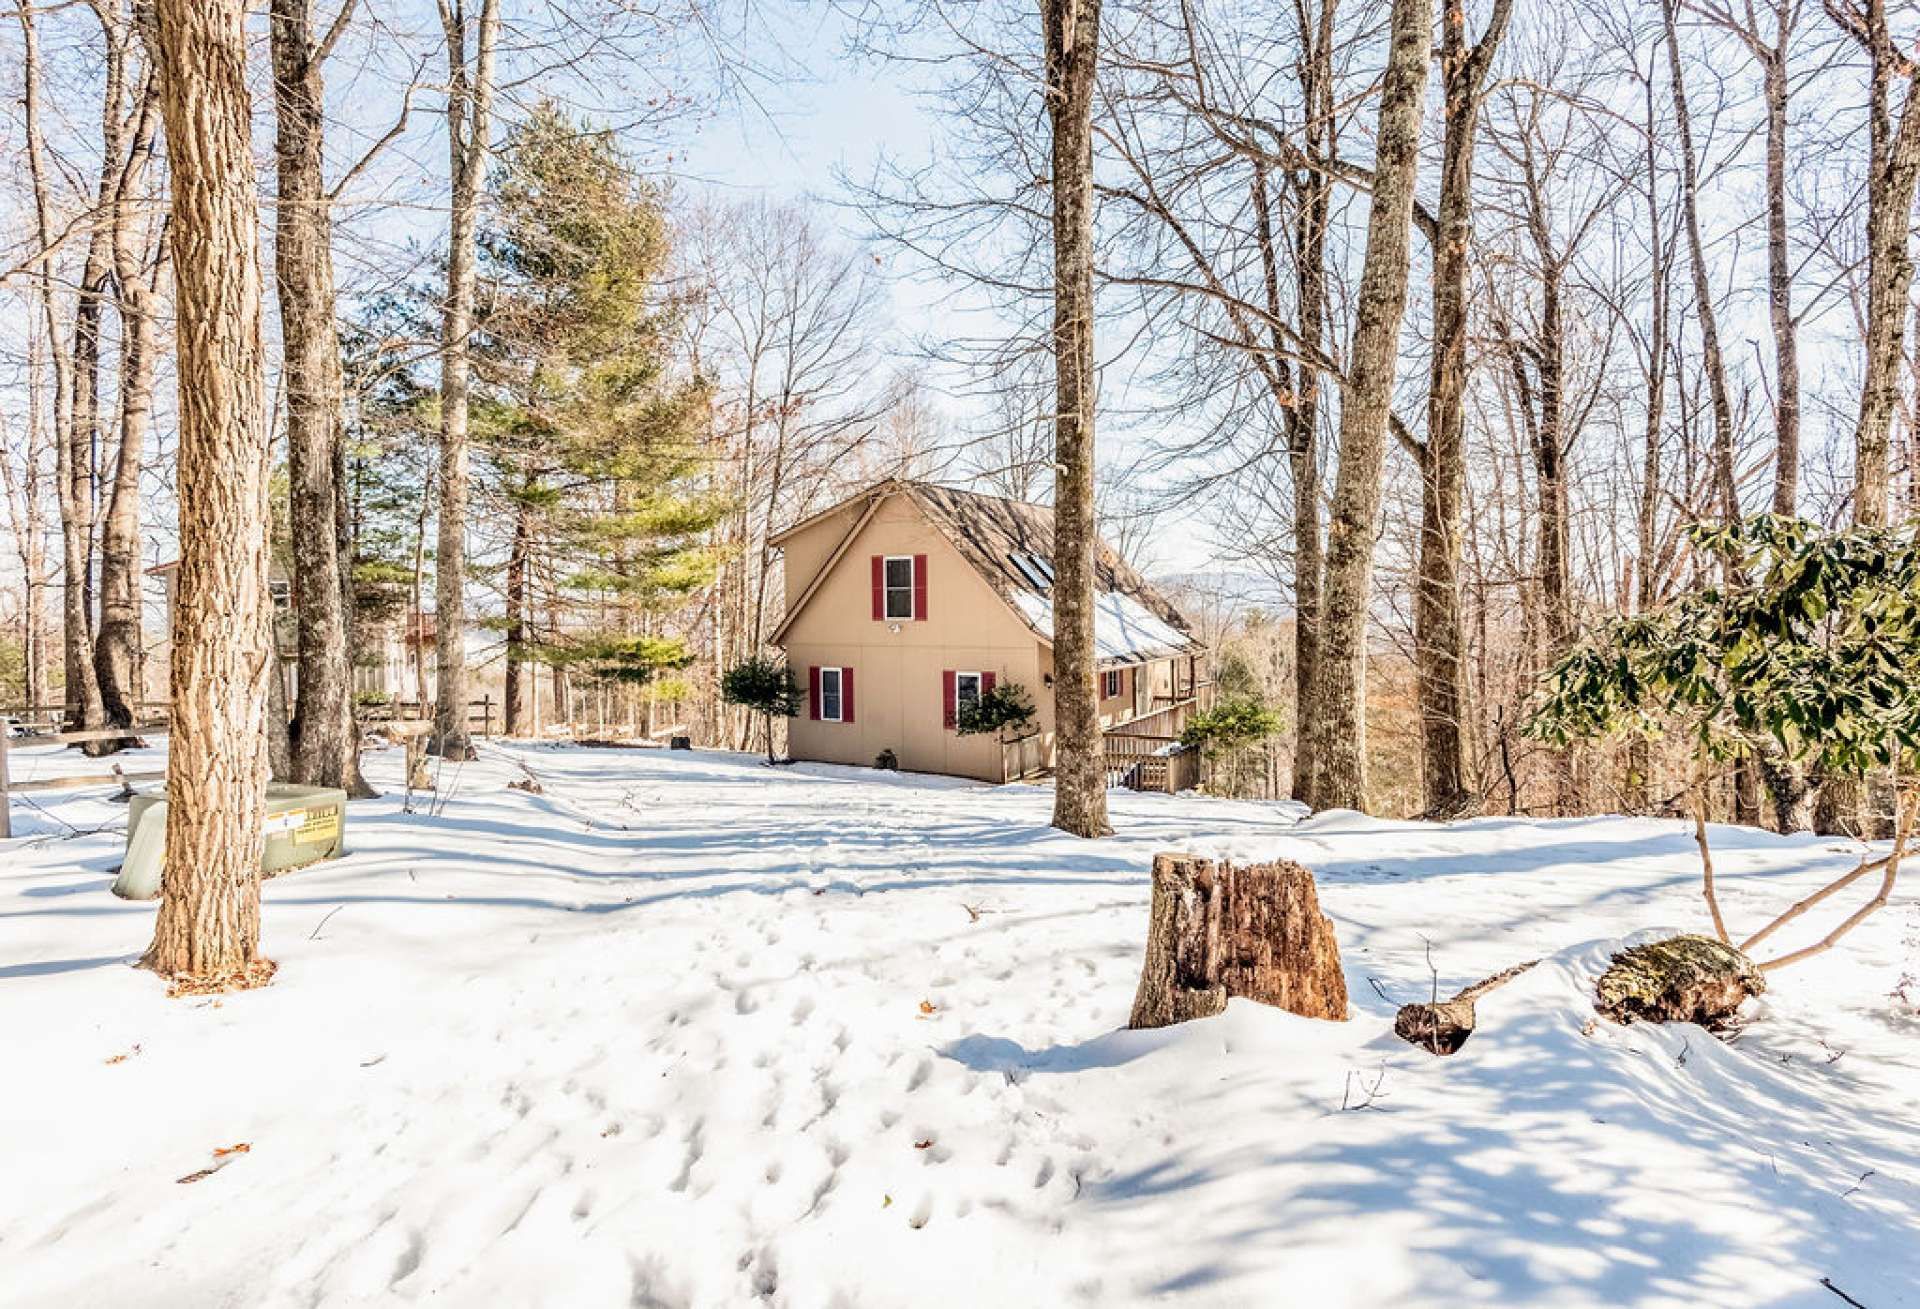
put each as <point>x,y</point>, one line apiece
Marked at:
<point>909,600</point>
<point>393,658</point>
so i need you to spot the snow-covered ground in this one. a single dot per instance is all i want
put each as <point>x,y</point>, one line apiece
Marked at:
<point>687,1030</point>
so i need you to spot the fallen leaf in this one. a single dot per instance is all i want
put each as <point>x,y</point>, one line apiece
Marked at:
<point>194,1177</point>
<point>923,1145</point>
<point>886,1201</point>
<point>926,1006</point>
<point>226,1150</point>
<point>122,1058</point>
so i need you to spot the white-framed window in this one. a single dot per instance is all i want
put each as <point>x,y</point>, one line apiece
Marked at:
<point>899,587</point>
<point>831,700</point>
<point>1111,688</point>
<point>966,690</point>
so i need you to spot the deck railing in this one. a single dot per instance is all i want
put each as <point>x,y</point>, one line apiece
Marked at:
<point>1150,763</point>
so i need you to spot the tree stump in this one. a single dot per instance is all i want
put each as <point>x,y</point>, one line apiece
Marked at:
<point>1216,931</point>
<point>1683,979</point>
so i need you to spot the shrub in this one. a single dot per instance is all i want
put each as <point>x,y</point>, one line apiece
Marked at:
<point>1812,651</point>
<point>1005,707</point>
<point>765,686</point>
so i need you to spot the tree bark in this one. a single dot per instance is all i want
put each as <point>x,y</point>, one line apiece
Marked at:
<point>1639,788</point>
<point>1747,777</point>
<point>1786,345</point>
<point>326,750</point>
<point>520,672</point>
<point>1071,32</point>
<point>1340,673</point>
<point>117,652</point>
<point>1439,641</point>
<point>469,122</point>
<point>1217,931</point>
<point>82,692</point>
<point>207,931</point>
<point>1893,168</point>
<point>1313,205</point>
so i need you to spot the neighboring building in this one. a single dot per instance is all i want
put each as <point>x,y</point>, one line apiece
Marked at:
<point>908,600</point>
<point>384,658</point>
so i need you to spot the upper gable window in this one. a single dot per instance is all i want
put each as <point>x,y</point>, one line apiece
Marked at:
<point>899,586</point>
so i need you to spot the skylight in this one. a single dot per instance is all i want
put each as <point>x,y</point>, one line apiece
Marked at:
<point>1037,571</point>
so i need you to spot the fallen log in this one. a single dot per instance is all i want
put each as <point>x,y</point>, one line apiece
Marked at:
<point>1443,1026</point>
<point>1682,979</point>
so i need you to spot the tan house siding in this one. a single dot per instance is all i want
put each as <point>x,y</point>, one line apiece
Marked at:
<point>897,674</point>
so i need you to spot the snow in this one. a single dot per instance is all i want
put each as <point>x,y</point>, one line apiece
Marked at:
<point>687,1030</point>
<point>1124,630</point>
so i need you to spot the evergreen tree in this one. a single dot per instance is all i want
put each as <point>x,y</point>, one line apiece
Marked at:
<point>589,438</point>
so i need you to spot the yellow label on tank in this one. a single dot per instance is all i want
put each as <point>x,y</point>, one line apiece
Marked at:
<point>317,825</point>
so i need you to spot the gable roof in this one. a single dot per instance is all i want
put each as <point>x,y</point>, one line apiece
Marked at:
<point>1009,544</point>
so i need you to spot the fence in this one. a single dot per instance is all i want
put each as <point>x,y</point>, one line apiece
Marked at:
<point>478,711</point>
<point>118,777</point>
<point>1150,763</point>
<point>1026,757</point>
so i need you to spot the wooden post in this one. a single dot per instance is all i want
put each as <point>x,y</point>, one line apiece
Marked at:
<point>6,805</point>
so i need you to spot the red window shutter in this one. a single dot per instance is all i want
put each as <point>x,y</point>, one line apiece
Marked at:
<point>813,693</point>
<point>846,695</point>
<point>986,683</point>
<point>920,587</point>
<point>879,588</point>
<point>950,698</point>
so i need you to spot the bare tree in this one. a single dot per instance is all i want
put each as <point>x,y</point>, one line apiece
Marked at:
<point>1893,169</point>
<point>470,45</point>
<point>326,747</point>
<point>1440,642</point>
<point>1070,30</point>
<point>73,450</point>
<point>208,926</point>
<point>1339,743</point>
<point>117,650</point>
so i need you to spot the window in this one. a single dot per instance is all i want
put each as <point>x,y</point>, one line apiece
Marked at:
<point>830,695</point>
<point>899,587</point>
<point>1037,571</point>
<point>966,689</point>
<point>1111,691</point>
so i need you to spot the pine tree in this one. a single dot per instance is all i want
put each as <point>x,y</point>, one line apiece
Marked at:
<point>588,436</point>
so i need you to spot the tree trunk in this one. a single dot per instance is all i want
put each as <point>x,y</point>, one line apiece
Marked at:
<point>1340,673</point>
<point>469,122</point>
<point>520,673</point>
<point>82,689</point>
<point>1710,356</point>
<point>1439,641</point>
<point>1786,346</point>
<point>1892,170</point>
<point>1071,30</point>
<point>326,752</point>
<point>1217,931</point>
<point>1639,789</point>
<point>80,485</point>
<point>1313,205</point>
<point>117,653</point>
<point>207,930</point>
